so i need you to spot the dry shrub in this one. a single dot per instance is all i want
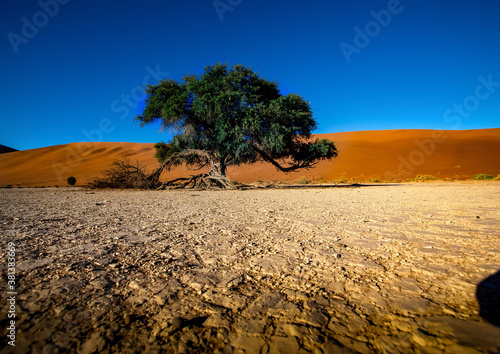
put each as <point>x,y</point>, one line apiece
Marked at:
<point>423,178</point>
<point>123,174</point>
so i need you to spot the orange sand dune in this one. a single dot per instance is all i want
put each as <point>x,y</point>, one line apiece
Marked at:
<point>384,155</point>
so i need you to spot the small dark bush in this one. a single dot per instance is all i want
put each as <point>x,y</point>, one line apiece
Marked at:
<point>71,181</point>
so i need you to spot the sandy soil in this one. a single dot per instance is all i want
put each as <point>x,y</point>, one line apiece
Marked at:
<point>365,155</point>
<point>386,268</point>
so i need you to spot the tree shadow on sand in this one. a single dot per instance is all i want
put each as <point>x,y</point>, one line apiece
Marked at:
<point>488,296</point>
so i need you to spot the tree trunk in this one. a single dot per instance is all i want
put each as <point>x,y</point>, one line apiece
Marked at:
<point>223,167</point>
<point>218,167</point>
<point>215,178</point>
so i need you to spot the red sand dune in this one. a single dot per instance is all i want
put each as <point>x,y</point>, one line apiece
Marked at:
<point>385,155</point>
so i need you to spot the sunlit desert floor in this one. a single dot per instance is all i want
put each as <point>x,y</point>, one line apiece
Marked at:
<point>385,268</point>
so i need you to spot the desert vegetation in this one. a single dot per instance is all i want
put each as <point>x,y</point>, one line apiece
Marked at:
<point>229,116</point>
<point>482,176</point>
<point>124,174</point>
<point>424,178</point>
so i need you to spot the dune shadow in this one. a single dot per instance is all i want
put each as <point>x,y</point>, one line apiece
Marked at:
<point>488,296</point>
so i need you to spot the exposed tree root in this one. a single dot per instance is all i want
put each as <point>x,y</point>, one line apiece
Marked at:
<point>204,181</point>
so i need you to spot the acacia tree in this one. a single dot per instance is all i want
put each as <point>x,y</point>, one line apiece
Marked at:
<point>231,116</point>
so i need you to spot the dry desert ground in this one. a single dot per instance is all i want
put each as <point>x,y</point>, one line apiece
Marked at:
<point>383,269</point>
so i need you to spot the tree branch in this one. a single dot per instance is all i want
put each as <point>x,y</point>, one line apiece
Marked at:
<point>179,157</point>
<point>300,165</point>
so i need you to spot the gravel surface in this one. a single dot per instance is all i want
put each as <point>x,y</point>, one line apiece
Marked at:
<point>402,268</point>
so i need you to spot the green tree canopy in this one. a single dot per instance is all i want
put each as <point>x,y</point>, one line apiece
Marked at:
<point>230,115</point>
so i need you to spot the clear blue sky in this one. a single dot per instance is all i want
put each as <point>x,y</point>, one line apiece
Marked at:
<point>364,65</point>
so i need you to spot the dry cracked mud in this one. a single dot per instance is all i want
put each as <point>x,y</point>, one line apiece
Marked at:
<point>385,269</point>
